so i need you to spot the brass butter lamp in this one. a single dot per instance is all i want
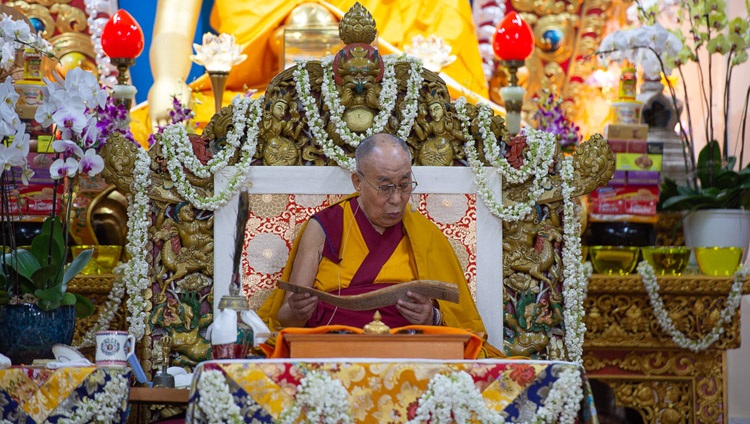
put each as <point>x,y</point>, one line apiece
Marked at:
<point>512,43</point>
<point>122,41</point>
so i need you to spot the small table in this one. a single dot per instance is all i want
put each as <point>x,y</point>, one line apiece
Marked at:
<point>159,395</point>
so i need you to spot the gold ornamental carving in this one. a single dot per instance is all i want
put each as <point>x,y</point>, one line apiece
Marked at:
<point>69,18</point>
<point>37,11</point>
<point>619,314</point>
<point>671,386</point>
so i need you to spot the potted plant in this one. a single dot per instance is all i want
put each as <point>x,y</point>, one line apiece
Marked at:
<point>716,184</point>
<point>34,280</point>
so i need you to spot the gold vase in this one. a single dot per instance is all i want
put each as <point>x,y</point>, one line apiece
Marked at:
<point>218,84</point>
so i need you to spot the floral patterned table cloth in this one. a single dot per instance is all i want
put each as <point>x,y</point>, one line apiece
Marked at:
<point>76,395</point>
<point>375,391</point>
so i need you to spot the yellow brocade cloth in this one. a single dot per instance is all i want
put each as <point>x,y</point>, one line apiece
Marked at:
<point>385,391</point>
<point>253,24</point>
<point>35,395</point>
<point>433,259</point>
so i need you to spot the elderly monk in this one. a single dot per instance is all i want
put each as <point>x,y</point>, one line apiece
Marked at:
<point>370,240</point>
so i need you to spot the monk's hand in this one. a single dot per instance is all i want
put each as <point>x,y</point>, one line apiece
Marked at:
<point>417,309</point>
<point>302,305</point>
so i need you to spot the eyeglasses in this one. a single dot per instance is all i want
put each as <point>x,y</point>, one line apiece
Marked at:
<point>387,190</point>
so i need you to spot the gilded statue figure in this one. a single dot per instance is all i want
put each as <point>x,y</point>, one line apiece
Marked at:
<point>357,72</point>
<point>188,244</point>
<point>438,130</point>
<point>281,128</point>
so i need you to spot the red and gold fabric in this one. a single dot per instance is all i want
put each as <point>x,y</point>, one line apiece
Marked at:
<point>36,395</point>
<point>385,392</point>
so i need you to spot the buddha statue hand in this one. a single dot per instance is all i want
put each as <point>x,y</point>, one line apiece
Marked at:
<point>160,100</point>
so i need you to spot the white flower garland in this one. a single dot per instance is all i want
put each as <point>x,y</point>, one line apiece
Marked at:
<point>387,101</point>
<point>564,399</point>
<point>179,153</point>
<point>539,157</point>
<point>575,282</point>
<point>107,314</point>
<point>136,270</point>
<point>105,407</point>
<point>98,13</point>
<point>216,402</point>
<point>176,143</point>
<point>453,398</point>
<point>321,398</point>
<point>667,325</point>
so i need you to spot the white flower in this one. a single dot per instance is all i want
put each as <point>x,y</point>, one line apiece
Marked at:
<point>67,147</point>
<point>63,167</point>
<point>320,399</point>
<point>15,154</point>
<point>16,35</point>
<point>107,406</point>
<point>70,119</point>
<point>216,403</point>
<point>218,53</point>
<point>453,398</point>
<point>91,163</point>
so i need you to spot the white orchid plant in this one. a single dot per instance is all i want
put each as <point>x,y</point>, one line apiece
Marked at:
<point>15,36</point>
<point>80,117</point>
<point>705,38</point>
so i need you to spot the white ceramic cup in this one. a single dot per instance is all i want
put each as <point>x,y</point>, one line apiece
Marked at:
<point>113,348</point>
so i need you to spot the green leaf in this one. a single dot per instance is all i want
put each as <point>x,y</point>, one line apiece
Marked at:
<point>76,266</point>
<point>52,294</point>
<point>68,299</point>
<point>709,163</point>
<point>49,298</point>
<point>46,276</point>
<point>24,263</point>
<point>40,248</point>
<point>84,307</point>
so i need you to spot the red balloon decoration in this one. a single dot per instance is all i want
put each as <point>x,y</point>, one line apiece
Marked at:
<point>122,37</point>
<point>513,39</point>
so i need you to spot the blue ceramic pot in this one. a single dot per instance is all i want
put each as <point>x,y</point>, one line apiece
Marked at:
<point>28,333</point>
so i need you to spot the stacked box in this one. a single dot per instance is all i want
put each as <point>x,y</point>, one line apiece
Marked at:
<point>634,188</point>
<point>36,198</point>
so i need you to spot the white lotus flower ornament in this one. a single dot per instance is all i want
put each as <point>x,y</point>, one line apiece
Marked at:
<point>433,51</point>
<point>219,53</point>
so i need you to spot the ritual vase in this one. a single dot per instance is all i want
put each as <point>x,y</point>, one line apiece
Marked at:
<point>28,333</point>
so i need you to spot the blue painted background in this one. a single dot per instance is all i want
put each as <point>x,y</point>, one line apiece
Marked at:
<point>144,11</point>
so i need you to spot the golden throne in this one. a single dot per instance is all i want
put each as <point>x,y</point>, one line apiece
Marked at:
<point>302,133</point>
